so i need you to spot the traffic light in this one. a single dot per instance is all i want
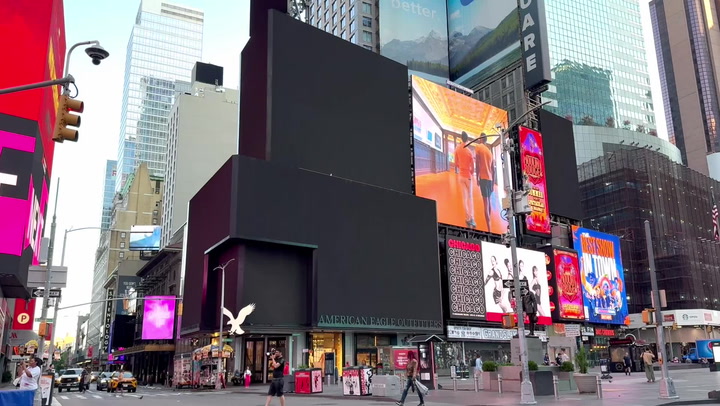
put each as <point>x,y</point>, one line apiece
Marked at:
<point>648,316</point>
<point>508,321</point>
<point>66,118</point>
<point>42,330</point>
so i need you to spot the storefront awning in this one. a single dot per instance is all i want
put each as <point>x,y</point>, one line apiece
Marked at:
<point>425,338</point>
<point>145,348</point>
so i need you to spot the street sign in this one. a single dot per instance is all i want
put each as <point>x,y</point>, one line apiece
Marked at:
<point>524,286</point>
<point>38,320</point>
<point>54,293</point>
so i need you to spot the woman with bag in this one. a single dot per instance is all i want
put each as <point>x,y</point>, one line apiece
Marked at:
<point>412,372</point>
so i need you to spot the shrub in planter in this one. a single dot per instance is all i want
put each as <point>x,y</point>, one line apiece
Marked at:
<point>489,366</point>
<point>532,366</point>
<point>567,366</point>
<point>582,361</point>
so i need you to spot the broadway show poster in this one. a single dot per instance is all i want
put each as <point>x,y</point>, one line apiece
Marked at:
<point>566,295</point>
<point>532,160</point>
<point>602,276</point>
<point>467,298</point>
<point>498,268</point>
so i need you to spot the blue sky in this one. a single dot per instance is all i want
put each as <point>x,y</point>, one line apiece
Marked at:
<point>81,165</point>
<point>486,13</point>
<point>397,23</point>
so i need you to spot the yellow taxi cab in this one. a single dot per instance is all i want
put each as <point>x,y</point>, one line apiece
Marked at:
<point>123,380</point>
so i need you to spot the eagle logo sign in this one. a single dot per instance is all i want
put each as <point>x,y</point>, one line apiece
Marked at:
<point>235,322</point>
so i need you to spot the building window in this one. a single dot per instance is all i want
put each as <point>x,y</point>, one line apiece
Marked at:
<point>154,221</point>
<point>121,254</point>
<point>122,235</point>
<point>343,9</point>
<point>342,22</point>
<point>368,47</point>
<point>122,244</point>
<point>344,35</point>
<point>367,22</point>
<point>155,212</point>
<point>367,37</point>
<point>334,6</point>
<point>353,25</point>
<point>353,39</point>
<point>367,8</point>
<point>327,27</point>
<point>326,3</point>
<point>327,15</point>
<point>352,11</point>
<point>334,19</point>
<point>335,31</point>
<point>312,20</point>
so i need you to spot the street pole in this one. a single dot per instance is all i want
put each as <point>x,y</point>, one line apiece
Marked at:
<point>667,388</point>
<point>48,83</point>
<point>48,273</point>
<point>527,395</point>
<point>222,267</point>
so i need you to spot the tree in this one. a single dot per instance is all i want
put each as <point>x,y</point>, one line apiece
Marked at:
<point>587,120</point>
<point>626,124</point>
<point>640,128</point>
<point>610,122</point>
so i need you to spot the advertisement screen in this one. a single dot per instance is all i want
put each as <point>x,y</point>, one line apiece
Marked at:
<point>467,298</point>
<point>158,318</point>
<point>497,266</point>
<point>484,38</point>
<point>145,238</point>
<point>566,296</point>
<point>467,184</point>
<point>414,33</point>
<point>602,276</point>
<point>127,286</point>
<point>532,163</point>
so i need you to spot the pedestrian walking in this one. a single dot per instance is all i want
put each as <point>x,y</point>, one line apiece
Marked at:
<point>412,372</point>
<point>648,359</point>
<point>277,364</point>
<point>628,364</point>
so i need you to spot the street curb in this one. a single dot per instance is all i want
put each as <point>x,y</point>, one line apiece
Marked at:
<point>320,395</point>
<point>693,402</point>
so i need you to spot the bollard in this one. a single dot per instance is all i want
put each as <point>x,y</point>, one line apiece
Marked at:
<point>454,384</point>
<point>555,387</point>
<point>500,384</point>
<point>477,388</point>
<point>599,387</point>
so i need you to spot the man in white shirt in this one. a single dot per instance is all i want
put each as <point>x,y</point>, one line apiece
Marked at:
<point>30,374</point>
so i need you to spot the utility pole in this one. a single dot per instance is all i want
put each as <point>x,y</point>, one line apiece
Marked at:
<point>48,274</point>
<point>667,387</point>
<point>221,268</point>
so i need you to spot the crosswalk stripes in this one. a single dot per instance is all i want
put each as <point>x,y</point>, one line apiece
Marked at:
<point>93,395</point>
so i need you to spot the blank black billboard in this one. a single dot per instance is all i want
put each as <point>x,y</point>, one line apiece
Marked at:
<point>560,166</point>
<point>336,108</point>
<point>375,255</point>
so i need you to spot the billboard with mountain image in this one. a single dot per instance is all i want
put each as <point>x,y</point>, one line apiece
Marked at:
<point>484,38</point>
<point>414,33</point>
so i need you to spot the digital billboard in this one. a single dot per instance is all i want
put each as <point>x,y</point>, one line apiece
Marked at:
<point>602,276</point>
<point>466,182</point>
<point>158,318</point>
<point>464,268</point>
<point>532,163</point>
<point>497,267</point>
<point>414,33</point>
<point>566,295</point>
<point>145,238</point>
<point>484,39</point>
<point>127,290</point>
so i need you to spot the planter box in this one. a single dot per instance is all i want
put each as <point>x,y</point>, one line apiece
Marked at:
<point>566,381</point>
<point>511,378</point>
<point>586,383</point>
<point>489,381</point>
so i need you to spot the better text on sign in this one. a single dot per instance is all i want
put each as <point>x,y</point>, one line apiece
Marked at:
<point>467,296</point>
<point>532,159</point>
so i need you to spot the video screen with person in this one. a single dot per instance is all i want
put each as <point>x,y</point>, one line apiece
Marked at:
<point>465,181</point>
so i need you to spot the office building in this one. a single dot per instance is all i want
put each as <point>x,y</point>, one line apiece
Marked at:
<point>197,148</point>
<point>137,203</point>
<point>108,193</point>
<point>352,20</point>
<point>686,38</point>
<point>164,44</point>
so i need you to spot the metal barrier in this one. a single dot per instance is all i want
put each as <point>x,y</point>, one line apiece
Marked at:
<point>555,387</point>
<point>477,387</point>
<point>598,382</point>
<point>500,383</point>
<point>454,379</point>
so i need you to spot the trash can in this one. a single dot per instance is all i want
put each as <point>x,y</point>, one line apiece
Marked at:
<point>357,381</point>
<point>308,381</point>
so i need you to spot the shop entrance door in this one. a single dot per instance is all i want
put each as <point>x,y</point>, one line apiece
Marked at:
<point>366,357</point>
<point>280,344</point>
<point>255,358</point>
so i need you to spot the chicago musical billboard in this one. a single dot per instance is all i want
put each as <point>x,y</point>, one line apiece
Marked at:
<point>466,182</point>
<point>465,274</point>
<point>498,268</point>
<point>602,276</point>
<point>532,163</point>
<point>565,287</point>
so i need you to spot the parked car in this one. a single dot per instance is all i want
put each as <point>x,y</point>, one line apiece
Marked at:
<point>103,381</point>
<point>70,379</point>
<point>124,380</point>
<point>94,375</point>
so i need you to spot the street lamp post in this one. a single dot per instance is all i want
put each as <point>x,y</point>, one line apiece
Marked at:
<point>667,387</point>
<point>222,267</point>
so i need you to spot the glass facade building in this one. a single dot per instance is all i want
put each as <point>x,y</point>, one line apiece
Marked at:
<point>626,187</point>
<point>164,45</point>
<point>108,193</point>
<point>599,64</point>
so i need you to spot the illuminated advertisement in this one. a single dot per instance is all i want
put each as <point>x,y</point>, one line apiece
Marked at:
<point>414,33</point>
<point>127,290</point>
<point>498,270</point>
<point>145,238</point>
<point>467,184</point>
<point>602,276</point>
<point>464,268</point>
<point>532,163</point>
<point>158,318</point>
<point>566,295</point>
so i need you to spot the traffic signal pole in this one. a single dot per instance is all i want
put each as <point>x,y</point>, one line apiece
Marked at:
<point>63,81</point>
<point>48,274</point>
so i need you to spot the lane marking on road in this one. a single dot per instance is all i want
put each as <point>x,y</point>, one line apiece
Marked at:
<point>97,396</point>
<point>64,397</point>
<point>80,397</point>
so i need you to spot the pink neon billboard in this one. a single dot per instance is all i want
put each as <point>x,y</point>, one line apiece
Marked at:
<point>158,318</point>
<point>22,217</point>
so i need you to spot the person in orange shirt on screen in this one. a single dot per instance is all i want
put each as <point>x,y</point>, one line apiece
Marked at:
<point>466,166</point>
<point>485,174</point>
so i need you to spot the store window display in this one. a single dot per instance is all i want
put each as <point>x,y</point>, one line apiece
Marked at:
<point>326,352</point>
<point>374,350</point>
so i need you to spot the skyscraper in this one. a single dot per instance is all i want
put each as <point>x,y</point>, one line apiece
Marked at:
<point>352,20</point>
<point>108,193</point>
<point>686,35</point>
<point>164,44</point>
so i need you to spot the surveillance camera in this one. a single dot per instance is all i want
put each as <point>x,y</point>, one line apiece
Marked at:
<point>97,53</point>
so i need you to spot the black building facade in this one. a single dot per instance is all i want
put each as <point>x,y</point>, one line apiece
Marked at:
<point>623,189</point>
